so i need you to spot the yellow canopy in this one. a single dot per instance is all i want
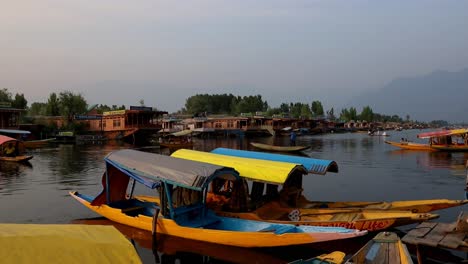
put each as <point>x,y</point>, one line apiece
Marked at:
<point>254,169</point>
<point>33,243</point>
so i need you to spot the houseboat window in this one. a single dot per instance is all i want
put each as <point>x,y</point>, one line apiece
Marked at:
<point>218,125</point>
<point>116,123</point>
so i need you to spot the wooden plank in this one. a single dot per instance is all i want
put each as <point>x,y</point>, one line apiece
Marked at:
<point>422,229</point>
<point>393,253</point>
<point>452,240</point>
<point>435,236</point>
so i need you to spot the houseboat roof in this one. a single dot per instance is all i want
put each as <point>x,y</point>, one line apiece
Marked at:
<point>315,166</point>
<point>151,169</point>
<point>254,169</point>
<point>442,133</point>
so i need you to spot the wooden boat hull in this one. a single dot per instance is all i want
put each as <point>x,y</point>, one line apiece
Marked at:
<point>279,148</point>
<point>336,257</point>
<point>223,237</point>
<point>38,143</point>
<point>361,219</point>
<point>415,206</point>
<point>188,145</point>
<point>454,148</point>
<point>411,145</point>
<point>385,248</point>
<point>22,158</point>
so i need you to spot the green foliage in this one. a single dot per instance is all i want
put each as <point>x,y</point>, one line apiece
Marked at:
<point>250,104</point>
<point>104,108</point>
<point>305,111</point>
<point>348,114</point>
<point>317,108</point>
<point>19,102</point>
<point>72,104</point>
<point>5,95</point>
<point>367,114</point>
<point>284,108</point>
<point>439,123</point>
<point>53,105</point>
<point>38,109</point>
<point>387,118</point>
<point>224,104</point>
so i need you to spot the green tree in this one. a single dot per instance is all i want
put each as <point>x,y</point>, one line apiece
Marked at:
<point>19,102</point>
<point>305,111</point>
<point>367,114</point>
<point>72,104</point>
<point>53,105</point>
<point>284,108</point>
<point>39,109</point>
<point>5,95</point>
<point>317,108</point>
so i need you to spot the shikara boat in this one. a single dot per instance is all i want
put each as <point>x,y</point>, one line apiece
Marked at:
<point>34,243</point>
<point>411,145</point>
<point>182,186</point>
<point>447,140</point>
<point>415,206</point>
<point>38,143</point>
<point>279,207</point>
<point>279,148</point>
<point>384,248</point>
<point>17,155</point>
<point>177,140</point>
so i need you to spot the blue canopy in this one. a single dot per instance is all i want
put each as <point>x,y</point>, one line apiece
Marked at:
<point>315,166</point>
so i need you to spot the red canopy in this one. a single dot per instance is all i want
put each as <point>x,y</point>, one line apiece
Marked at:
<point>442,133</point>
<point>4,139</point>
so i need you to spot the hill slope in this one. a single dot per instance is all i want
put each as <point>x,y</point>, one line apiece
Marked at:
<point>438,95</point>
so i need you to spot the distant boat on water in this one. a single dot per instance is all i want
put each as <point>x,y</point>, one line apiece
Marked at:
<point>279,148</point>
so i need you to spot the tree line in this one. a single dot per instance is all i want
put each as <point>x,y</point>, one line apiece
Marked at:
<point>68,104</point>
<point>235,105</point>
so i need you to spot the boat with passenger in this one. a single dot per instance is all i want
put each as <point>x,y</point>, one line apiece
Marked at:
<point>182,211</point>
<point>408,145</point>
<point>322,166</point>
<point>279,206</point>
<point>447,140</point>
<point>12,150</point>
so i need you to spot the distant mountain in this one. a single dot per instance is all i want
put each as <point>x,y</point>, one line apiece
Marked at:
<point>440,95</point>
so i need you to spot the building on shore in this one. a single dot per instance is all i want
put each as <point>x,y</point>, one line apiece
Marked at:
<point>9,117</point>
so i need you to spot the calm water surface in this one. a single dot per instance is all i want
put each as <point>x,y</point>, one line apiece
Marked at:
<point>370,170</point>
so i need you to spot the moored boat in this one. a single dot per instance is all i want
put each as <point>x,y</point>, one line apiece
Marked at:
<point>279,148</point>
<point>411,145</point>
<point>385,248</point>
<point>336,257</point>
<point>182,185</point>
<point>38,143</point>
<point>237,201</point>
<point>12,150</point>
<point>415,206</point>
<point>177,140</point>
<point>447,140</point>
<point>47,243</point>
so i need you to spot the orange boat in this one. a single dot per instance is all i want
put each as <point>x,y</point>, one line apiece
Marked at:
<point>410,145</point>
<point>448,140</point>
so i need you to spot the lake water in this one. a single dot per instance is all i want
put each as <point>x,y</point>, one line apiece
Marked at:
<point>369,170</point>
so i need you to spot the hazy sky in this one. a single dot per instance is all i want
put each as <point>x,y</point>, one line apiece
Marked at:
<point>118,52</point>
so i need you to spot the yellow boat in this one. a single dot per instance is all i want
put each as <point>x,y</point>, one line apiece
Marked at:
<point>448,139</point>
<point>411,145</point>
<point>384,248</point>
<point>273,176</point>
<point>182,185</point>
<point>279,207</point>
<point>34,243</point>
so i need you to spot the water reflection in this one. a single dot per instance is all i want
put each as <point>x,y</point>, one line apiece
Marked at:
<point>12,176</point>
